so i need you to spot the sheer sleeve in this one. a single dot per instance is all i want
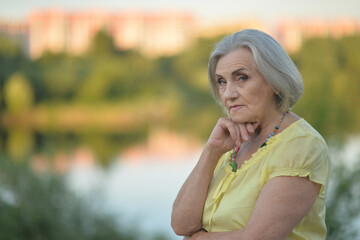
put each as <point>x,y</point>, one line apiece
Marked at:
<point>303,156</point>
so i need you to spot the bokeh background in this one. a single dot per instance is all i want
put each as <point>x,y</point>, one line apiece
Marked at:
<point>105,106</point>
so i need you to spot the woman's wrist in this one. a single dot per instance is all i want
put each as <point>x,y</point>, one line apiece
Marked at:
<point>213,151</point>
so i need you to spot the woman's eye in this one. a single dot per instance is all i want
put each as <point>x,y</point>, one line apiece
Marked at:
<point>221,81</point>
<point>243,77</point>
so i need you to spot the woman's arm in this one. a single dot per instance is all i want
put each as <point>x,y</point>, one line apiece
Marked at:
<point>188,206</point>
<point>282,203</point>
<point>186,217</point>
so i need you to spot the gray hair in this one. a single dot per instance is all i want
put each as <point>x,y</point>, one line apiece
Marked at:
<point>271,60</point>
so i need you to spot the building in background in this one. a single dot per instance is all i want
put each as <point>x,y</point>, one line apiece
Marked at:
<point>167,33</point>
<point>152,33</point>
<point>292,32</point>
<point>80,28</point>
<point>47,32</point>
<point>127,29</point>
<point>211,30</point>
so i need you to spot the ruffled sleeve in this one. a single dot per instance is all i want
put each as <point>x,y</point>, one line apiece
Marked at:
<point>304,155</point>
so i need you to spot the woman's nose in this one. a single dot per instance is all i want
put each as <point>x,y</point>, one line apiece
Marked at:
<point>230,91</point>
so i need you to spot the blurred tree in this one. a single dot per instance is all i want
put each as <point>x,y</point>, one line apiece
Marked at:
<point>19,144</point>
<point>198,111</point>
<point>178,88</point>
<point>332,84</point>
<point>18,94</point>
<point>191,65</point>
<point>10,60</point>
<point>102,44</point>
<point>37,207</point>
<point>60,76</point>
<point>9,48</point>
<point>349,56</point>
<point>343,205</point>
<point>96,86</point>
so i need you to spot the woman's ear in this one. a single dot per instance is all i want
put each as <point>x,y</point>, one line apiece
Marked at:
<point>278,97</point>
<point>277,92</point>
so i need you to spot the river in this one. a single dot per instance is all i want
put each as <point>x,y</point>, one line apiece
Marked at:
<point>137,192</point>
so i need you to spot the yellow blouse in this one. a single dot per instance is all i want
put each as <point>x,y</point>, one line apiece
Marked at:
<point>298,150</point>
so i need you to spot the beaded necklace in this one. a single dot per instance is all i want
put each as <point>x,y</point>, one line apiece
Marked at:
<point>233,164</point>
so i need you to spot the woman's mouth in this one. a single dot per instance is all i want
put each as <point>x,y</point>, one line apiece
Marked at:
<point>235,107</point>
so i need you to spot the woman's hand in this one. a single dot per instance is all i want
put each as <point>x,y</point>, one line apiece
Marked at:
<point>228,134</point>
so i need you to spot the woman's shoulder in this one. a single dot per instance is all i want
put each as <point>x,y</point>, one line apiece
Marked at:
<point>300,145</point>
<point>302,151</point>
<point>300,132</point>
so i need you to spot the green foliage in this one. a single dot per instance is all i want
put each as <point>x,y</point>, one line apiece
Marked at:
<point>102,44</point>
<point>59,76</point>
<point>34,206</point>
<point>177,86</point>
<point>18,94</point>
<point>330,70</point>
<point>9,48</point>
<point>11,61</point>
<point>343,206</point>
<point>19,137</point>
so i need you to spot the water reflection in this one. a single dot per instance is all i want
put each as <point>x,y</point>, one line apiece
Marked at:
<point>139,192</point>
<point>137,185</point>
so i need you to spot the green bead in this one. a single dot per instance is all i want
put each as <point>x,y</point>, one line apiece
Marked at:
<point>263,145</point>
<point>234,166</point>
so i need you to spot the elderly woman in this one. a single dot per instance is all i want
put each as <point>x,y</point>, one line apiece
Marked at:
<point>264,171</point>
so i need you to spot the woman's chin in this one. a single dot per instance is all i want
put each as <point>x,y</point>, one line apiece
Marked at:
<point>239,119</point>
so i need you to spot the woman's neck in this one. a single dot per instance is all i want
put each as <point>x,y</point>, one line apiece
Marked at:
<point>266,127</point>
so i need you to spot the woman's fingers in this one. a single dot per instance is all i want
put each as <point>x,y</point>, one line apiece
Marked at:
<point>255,125</point>
<point>244,132</point>
<point>238,132</point>
<point>238,135</point>
<point>233,131</point>
<point>250,127</point>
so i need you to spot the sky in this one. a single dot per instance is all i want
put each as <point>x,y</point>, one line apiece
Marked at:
<point>207,10</point>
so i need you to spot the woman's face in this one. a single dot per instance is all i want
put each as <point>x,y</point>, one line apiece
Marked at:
<point>243,91</point>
